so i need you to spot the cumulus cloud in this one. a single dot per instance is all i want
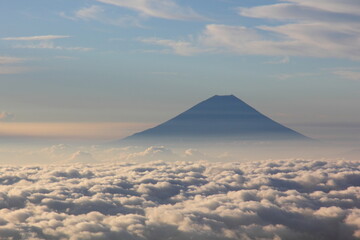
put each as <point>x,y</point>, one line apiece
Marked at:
<point>278,199</point>
<point>167,9</point>
<point>150,153</point>
<point>81,157</point>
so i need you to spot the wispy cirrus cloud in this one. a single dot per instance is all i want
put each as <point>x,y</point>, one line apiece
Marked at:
<point>92,12</point>
<point>348,74</point>
<point>10,60</point>
<point>10,65</point>
<point>51,45</point>
<point>344,6</point>
<point>35,38</point>
<point>98,13</point>
<point>283,60</point>
<point>183,48</point>
<point>322,29</point>
<point>43,42</point>
<point>9,70</point>
<point>166,9</point>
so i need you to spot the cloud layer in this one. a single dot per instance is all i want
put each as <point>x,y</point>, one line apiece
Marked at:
<point>295,199</point>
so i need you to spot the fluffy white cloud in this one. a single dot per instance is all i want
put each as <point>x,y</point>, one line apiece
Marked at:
<point>81,157</point>
<point>167,9</point>
<point>278,199</point>
<point>150,153</point>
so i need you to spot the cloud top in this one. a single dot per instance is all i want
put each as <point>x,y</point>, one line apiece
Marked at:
<point>278,199</point>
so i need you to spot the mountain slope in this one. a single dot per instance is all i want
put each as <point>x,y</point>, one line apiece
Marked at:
<point>218,118</point>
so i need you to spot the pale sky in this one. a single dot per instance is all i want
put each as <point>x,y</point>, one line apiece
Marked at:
<point>137,63</point>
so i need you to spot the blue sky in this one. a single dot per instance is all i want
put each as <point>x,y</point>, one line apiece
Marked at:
<point>144,61</point>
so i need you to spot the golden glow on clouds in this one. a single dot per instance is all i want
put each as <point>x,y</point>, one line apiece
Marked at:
<point>103,130</point>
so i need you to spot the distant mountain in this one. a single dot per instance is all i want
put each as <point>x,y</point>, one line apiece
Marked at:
<point>218,119</point>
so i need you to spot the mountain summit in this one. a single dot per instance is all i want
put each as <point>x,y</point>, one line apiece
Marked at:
<point>219,118</point>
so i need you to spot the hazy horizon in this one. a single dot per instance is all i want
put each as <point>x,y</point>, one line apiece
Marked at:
<point>74,67</point>
<point>100,132</point>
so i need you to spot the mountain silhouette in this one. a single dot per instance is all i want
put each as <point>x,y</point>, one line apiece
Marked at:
<point>219,118</point>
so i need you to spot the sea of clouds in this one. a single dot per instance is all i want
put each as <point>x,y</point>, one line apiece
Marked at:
<point>180,200</point>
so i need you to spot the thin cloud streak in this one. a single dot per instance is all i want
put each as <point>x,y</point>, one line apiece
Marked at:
<point>9,70</point>
<point>166,9</point>
<point>51,45</point>
<point>9,65</point>
<point>182,48</point>
<point>44,42</point>
<point>102,131</point>
<point>10,60</point>
<point>35,38</point>
<point>349,75</point>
